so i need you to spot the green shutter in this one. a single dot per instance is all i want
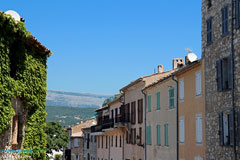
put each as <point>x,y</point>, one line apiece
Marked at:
<point>171,97</point>
<point>149,135</point>
<point>158,135</point>
<point>149,103</point>
<point>158,100</point>
<point>166,134</point>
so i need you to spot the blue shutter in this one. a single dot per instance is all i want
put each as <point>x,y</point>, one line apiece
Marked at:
<point>238,126</point>
<point>149,103</point>
<point>230,74</point>
<point>223,25</point>
<point>231,128</point>
<point>149,136</point>
<point>237,14</point>
<point>166,134</point>
<point>171,97</point>
<point>158,135</point>
<point>219,75</point>
<point>221,128</point>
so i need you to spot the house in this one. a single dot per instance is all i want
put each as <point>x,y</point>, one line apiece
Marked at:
<point>89,144</point>
<point>191,111</point>
<point>23,86</point>
<point>220,51</point>
<point>161,117</point>
<point>110,129</point>
<point>74,150</point>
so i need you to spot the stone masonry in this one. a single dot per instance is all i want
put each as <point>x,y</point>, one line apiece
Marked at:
<point>219,101</point>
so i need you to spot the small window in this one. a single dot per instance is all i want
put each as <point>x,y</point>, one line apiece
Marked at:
<point>198,80</point>
<point>199,128</point>
<point>182,129</point>
<point>209,3</point>
<point>75,142</point>
<point>225,20</point>
<point>209,31</point>
<point>181,83</point>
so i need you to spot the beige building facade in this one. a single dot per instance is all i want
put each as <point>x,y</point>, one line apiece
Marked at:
<point>161,120</point>
<point>191,111</point>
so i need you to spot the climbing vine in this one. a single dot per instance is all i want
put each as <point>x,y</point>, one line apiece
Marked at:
<point>28,83</point>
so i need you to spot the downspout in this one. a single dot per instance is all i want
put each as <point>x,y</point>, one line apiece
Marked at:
<point>123,156</point>
<point>145,123</point>
<point>176,117</point>
<point>233,98</point>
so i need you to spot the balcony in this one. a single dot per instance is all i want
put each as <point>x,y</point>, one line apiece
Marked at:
<point>107,123</point>
<point>96,128</point>
<point>122,118</point>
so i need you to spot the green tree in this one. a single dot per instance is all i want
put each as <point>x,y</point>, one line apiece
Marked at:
<point>57,137</point>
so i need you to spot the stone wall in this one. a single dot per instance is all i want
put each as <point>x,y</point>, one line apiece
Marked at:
<point>217,102</point>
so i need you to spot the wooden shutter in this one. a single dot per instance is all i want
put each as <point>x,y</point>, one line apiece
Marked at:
<point>230,73</point>
<point>221,128</point>
<point>198,83</point>
<point>238,126</point>
<point>219,75</point>
<point>140,110</point>
<point>231,128</point>
<point>141,113</point>
<point>134,136</point>
<point>171,97</point>
<point>134,112</point>
<point>149,103</point>
<point>225,130</point>
<point>158,100</point>
<point>149,136</point>
<point>237,22</point>
<point>182,136</point>
<point>158,135</point>
<point>181,89</point>
<point>223,25</point>
<point>199,129</point>
<point>166,134</point>
<point>140,135</point>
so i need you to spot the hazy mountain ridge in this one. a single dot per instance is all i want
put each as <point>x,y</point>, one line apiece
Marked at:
<point>74,99</point>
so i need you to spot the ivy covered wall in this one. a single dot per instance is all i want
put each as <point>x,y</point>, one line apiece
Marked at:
<point>23,75</point>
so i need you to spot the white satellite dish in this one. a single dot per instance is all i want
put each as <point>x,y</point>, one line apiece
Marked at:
<point>191,56</point>
<point>14,14</point>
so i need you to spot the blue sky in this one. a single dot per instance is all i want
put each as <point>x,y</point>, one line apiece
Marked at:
<point>99,46</point>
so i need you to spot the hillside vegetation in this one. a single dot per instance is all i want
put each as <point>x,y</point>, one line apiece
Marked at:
<point>67,116</point>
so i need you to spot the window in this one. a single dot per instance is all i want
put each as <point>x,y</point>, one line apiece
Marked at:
<point>181,131</point>
<point>199,128</point>
<point>140,135</point>
<point>158,100</point>
<point>209,3</point>
<point>75,142</point>
<point>225,20</point>
<point>112,142</point>
<point>116,142</point>
<point>198,80</point>
<point>102,141</point>
<point>237,14</point>
<point>120,141</point>
<point>171,97</point>
<point>77,157</point>
<point>140,110</point>
<point>149,135</point>
<point>134,136</point>
<point>149,103</point>
<point>158,135</point>
<point>226,130</point>
<point>209,31</point>
<point>224,73</point>
<point>106,141</point>
<point>181,87</point>
<point>166,134</point>
<point>133,112</point>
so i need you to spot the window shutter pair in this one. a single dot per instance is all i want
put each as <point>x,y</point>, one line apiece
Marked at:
<point>149,103</point>
<point>171,97</point>
<point>158,135</point>
<point>219,67</point>
<point>158,100</point>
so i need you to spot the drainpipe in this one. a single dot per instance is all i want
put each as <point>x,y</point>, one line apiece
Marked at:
<point>123,156</point>
<point>176,116</point>
<point>233,98</point>
<point>145,119</point>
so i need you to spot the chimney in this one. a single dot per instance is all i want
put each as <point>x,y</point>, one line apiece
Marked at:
<point>178,63</point>
<point>187,61</point>
<point>160,68</point>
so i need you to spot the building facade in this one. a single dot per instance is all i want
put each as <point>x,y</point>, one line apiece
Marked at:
<point>191,111</point>
<point>89,145</point>
<point>220,51</point>
<point>161,120</point>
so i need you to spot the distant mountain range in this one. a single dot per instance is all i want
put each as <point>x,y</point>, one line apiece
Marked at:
<point>74,99</point>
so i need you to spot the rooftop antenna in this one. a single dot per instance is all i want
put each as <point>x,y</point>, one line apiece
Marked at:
<point>191,56</point>
<point>14,15</point>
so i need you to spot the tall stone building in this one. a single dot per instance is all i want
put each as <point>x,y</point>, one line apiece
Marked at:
<point>220,48</point>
